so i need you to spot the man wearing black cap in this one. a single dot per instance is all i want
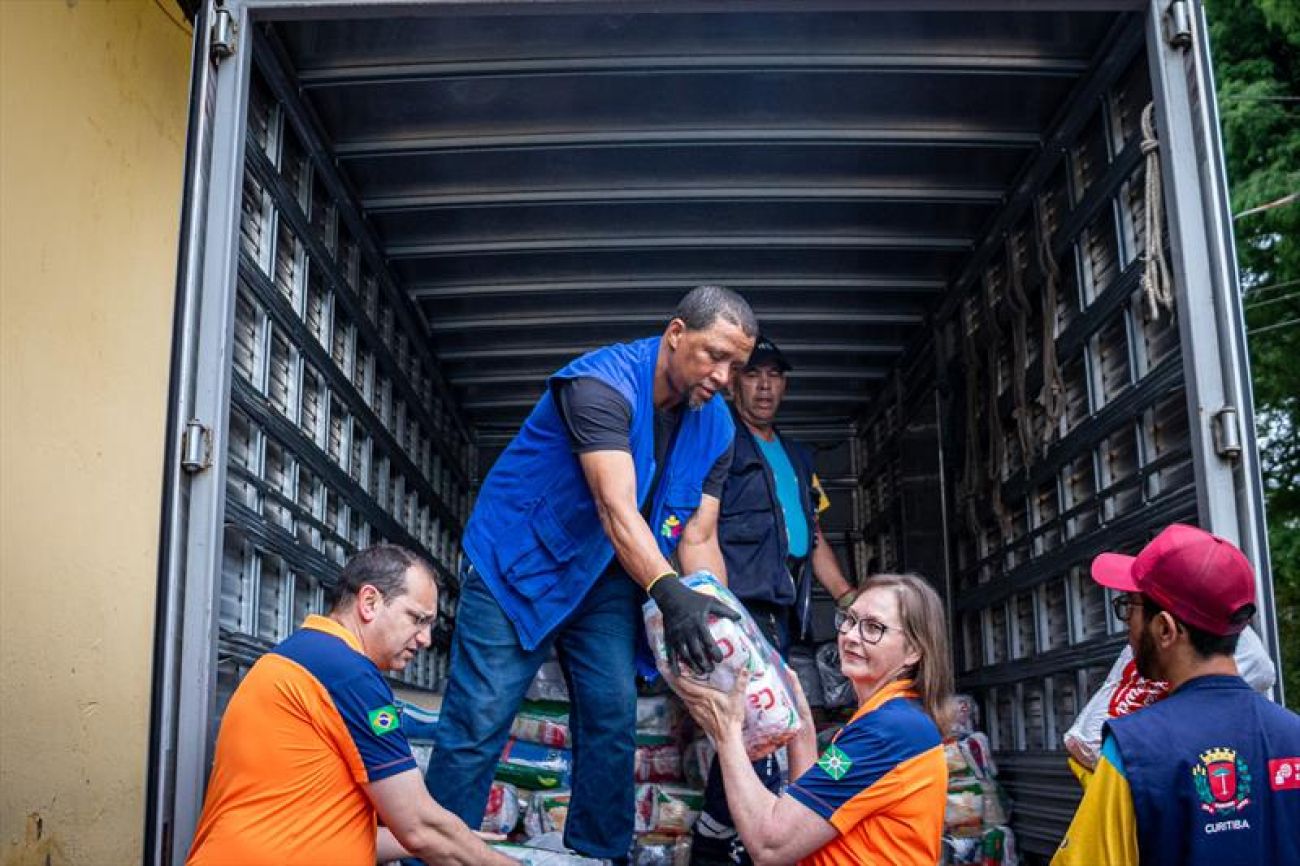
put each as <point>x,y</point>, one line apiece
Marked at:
<point>1210,774</point>
<point>772,546</point>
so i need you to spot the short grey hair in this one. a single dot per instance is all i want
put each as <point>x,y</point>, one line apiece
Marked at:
<point>702,306</point>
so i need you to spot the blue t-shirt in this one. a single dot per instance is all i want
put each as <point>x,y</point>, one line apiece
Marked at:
<point>787,493</point>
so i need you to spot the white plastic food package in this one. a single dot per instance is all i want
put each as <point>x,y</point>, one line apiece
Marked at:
<point>502,812</point>
<point>771,715</point>
<point>1124,691</point>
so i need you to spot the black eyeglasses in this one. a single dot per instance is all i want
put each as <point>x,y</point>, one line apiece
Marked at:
<point>869,630</point>
<point>1122,606</point>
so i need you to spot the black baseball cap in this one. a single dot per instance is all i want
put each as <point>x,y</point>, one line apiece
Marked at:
<point>766,352</point>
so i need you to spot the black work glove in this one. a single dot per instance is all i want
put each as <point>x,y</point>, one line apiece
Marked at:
<point>686,624</point>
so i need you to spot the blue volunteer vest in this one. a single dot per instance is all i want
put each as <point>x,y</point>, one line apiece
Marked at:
<point>751,526</point>
<point>534,534</point>
<point>1213,771</point>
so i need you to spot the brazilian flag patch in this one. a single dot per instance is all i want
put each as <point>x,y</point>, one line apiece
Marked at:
<point>835,762</point>
<point>384,720</point>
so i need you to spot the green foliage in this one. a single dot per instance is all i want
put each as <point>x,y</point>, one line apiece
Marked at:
<point>1256,45</point>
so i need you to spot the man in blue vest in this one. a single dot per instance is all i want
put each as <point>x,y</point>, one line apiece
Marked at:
<point>772,546</point>
<point>618,469</point>
<point>1210,774</point>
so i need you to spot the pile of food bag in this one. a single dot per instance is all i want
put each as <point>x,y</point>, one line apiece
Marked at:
<point>1125,690</point>
<point>530,795</point>
<point>771,715</point>
<point>978,811</point>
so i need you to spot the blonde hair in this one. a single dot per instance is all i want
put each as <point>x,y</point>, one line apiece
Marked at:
<point>925,626</point>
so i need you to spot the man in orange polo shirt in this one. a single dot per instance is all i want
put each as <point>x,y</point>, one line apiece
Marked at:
<point>311,755</point>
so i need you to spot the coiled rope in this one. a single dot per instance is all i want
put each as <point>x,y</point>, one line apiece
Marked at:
<point>1052,395</point>
<point>1157,288</point>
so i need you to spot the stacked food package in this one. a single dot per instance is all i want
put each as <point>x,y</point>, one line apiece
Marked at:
<point>978,811</point>
<point>529,799</point>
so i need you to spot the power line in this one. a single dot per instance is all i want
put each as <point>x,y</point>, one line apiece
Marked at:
<point>1270,287</point>
<point>1275,326</point>
<point>1255,305</point>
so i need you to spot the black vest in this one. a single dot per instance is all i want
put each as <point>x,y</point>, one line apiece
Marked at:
<point>751,527</point>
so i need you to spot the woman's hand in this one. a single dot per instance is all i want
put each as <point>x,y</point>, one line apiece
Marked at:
<point>719,714</point>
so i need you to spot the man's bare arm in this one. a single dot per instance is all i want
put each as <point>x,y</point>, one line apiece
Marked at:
<point>425,829</point>
<point>611,475</point>
<point>699,548</point>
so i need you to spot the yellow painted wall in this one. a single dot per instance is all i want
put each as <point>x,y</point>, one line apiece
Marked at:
<point>92,132</point>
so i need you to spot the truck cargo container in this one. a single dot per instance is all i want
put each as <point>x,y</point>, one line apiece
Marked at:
<point>954,217</point>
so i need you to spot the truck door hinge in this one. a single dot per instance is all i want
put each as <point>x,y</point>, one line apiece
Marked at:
<point>1178,24</point>
<point>225,35</point>
<point>196,447</point>
<point>1227,433</point>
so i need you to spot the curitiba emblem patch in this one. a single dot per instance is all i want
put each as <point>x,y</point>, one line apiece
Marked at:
<point>835,762</point>
<point>384,720</point>
<point>1222,781</point>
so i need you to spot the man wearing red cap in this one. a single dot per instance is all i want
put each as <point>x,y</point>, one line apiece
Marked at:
<point>1210,774</point>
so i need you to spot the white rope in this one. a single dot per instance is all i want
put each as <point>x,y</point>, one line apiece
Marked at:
<point>997,456</point>
<point>972,471</point>
<point>1052,396</point>
<point>1156,285</point>
<point>1020,349</point>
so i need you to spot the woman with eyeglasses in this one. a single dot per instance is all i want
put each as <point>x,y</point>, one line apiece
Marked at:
<point>877,793</point>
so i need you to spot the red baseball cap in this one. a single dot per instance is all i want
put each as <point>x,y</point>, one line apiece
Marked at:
<point>1200,578</point>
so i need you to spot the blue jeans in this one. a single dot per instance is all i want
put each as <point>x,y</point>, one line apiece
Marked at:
<point>489,674</point>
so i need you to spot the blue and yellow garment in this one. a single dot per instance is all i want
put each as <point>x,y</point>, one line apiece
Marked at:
<point>534,534</point>
<point>882,783</point>
<point>1209,775</point>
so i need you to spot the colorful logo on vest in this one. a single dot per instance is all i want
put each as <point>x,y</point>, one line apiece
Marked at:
<point>835,762</point>
<point>672,527</point>
<point>1222,781</point>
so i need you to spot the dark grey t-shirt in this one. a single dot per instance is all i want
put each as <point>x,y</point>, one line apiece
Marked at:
<point>598,418</point>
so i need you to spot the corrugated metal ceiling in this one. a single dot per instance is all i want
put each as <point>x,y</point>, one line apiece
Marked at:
<point>552,180</point>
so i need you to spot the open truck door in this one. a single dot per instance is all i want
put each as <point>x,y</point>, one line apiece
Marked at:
<point>400,217</point>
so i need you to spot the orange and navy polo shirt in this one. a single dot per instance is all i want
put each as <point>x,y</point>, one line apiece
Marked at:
<point>882,783</point>
<point>309,726</point>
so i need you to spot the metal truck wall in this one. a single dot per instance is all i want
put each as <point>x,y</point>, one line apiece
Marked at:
<point>339,434</point>
<point>1048,460</point>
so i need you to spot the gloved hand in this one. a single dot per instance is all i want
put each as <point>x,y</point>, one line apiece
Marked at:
<point>686,623</point>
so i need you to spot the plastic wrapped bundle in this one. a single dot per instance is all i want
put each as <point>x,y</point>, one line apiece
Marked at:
<point>646,801</point>
<point>662,851</point>
<point>533,767</point>
<point>544,722</point>
<point>837,691</point>
<point>978,753</point>
<point>661,763</point>
<point>957,766</point>
<point>502,813</point>
<point>696,759</point>
<point>548,685</point>
<point>998,847</point>
<point>657,718</point>
<point>546,850</point>
<point>677,809</point>
<point>964,715</point>
<point>964,815</point>
<point>771,716</point>
<point>547,812</point>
